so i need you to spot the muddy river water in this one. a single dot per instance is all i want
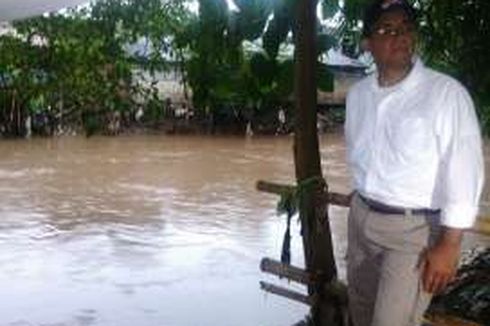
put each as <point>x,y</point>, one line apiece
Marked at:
<point>150,230</point>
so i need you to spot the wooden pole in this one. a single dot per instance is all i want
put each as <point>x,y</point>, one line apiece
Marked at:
<point>315,229</point>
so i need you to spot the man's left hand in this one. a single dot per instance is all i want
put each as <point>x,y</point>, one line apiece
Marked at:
<point>440,262</point>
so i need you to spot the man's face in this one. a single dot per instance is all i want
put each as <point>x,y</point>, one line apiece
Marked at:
<point>392,41</point>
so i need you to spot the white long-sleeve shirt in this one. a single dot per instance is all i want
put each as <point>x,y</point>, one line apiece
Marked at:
<point>416,144</point>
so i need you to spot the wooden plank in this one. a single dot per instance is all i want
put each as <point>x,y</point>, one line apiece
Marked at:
<point>283,292</point>
<point>333,198</point>
<point>333,290</point>
<point>292,273</point>
<point>482,224</point>
<point>274,188</point>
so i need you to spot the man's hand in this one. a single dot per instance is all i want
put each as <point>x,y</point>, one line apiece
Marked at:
<point>440,262</point>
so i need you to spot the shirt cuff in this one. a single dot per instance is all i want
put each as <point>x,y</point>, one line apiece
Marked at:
<point>459,216</point>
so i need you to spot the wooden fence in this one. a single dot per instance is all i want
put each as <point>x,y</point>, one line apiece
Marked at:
<point>336,290</point>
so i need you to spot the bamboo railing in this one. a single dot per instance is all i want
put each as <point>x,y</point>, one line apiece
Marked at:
<point>482,224</point>
<point>337,290</point>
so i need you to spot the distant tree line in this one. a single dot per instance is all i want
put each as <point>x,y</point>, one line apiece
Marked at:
<point>75,68</point>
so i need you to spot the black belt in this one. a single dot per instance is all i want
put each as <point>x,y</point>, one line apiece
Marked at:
<point>378,207</point>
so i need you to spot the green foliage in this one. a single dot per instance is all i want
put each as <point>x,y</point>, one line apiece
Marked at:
<point>221,71</point>
<point>325,42</point>
<point>454,36</point>
<point>330,8</point>
<point>468,295</point>
<point>263,67</point>
<point>279,27</point>
<point>288,203</point>
<point>82,59</point>
<point>291,197</point>
<point>249,22</point>
<point>325,79</point>
<point>285,78</point>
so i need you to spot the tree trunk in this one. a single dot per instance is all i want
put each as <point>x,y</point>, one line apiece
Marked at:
<point>317,242</point>
<point>182,72</point>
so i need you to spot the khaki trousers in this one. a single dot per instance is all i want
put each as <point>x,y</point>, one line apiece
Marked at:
<point>383,255</point>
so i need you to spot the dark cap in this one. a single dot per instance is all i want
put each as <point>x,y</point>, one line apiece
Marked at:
<point>378,7</point>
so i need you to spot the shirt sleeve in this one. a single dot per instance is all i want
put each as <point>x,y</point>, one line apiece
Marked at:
<point>462,166</point>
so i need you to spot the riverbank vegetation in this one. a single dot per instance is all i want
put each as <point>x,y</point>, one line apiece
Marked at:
<point>99,67</point>
<point>468,296</point>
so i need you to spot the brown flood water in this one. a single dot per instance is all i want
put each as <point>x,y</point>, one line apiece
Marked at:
<point>150,230</point>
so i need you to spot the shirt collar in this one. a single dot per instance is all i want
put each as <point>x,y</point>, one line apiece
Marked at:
<point>410,81</point>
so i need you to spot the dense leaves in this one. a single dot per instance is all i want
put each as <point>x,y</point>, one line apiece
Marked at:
<point>453,38</point>
<point>84,62</point>
<point>79,62</point>
<point>455,35</point>
<point>88,70</point>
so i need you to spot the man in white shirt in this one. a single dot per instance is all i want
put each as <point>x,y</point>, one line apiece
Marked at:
<point>414,149</point>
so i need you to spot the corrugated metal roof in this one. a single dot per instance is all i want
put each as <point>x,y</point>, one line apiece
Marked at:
<point>16,9</point>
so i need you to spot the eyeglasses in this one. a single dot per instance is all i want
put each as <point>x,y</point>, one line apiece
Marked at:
<point>394,32</point>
